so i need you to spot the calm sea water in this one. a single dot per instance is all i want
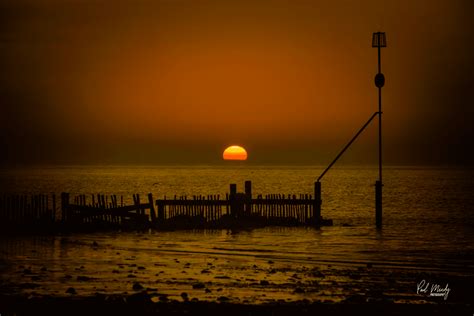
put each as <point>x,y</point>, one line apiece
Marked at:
<point>428,212</point>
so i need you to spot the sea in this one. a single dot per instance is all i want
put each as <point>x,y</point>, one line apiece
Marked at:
<point>428,223</point>
<point>428,212</point>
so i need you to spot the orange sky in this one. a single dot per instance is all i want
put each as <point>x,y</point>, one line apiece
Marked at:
<point>154,81</point>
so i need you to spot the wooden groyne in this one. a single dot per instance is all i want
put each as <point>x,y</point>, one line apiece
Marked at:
<point>106,211</point>
<point>23,210</point>
<point>234,210</point>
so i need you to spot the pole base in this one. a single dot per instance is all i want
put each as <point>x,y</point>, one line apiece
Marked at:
<point>378,204</point>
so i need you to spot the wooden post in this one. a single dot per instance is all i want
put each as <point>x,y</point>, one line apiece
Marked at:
<point>54,207</point>
<point>64,206</point>
<point>227,205</point>
<point>14,210</point>
<point>26,212</point>
<point>161,211</point>
<point>233,189</point>
<point>152,208</point>
<point>248,197</point>
<point>317,203</point>
<point>232,199</point>
<point>241,199</point>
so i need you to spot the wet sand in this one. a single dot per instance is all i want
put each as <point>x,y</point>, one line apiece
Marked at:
<point>105,275</point>
<point>217,279</point>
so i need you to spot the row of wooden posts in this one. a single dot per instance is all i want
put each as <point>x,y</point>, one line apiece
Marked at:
<point>23,209</point>
<point>240,205</point>
<point>190,212</point>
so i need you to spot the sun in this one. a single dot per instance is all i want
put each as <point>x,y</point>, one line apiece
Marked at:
<point>235,153</point>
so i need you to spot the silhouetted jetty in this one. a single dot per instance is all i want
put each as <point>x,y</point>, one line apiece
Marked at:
<point>95,212</point>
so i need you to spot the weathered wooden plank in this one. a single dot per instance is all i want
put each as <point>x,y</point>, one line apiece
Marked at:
<point>152,209</point>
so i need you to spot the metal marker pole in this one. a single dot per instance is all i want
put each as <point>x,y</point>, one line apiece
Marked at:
<point>379,41</point>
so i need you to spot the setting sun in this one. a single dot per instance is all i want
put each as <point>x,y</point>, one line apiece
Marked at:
<point>235,153</point>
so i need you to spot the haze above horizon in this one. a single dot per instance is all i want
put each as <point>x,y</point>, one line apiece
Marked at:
<point>142,82</point>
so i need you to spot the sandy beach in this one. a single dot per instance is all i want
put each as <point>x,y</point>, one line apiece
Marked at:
<point>113,276</point>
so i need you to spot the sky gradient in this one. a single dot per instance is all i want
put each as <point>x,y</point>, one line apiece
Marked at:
<point>107,81</point>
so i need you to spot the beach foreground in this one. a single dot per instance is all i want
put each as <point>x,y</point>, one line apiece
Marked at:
<point>82,276</point>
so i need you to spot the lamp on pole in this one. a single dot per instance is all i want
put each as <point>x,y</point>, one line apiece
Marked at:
<point>379,41</point>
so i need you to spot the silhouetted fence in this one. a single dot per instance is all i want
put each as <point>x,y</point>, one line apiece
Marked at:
<point>102,211</point>
<point>27,210</point>
<point>241,209</point>
<point>272,208</point>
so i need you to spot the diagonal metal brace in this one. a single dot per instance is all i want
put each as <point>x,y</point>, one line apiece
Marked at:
<point>348,144</point>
